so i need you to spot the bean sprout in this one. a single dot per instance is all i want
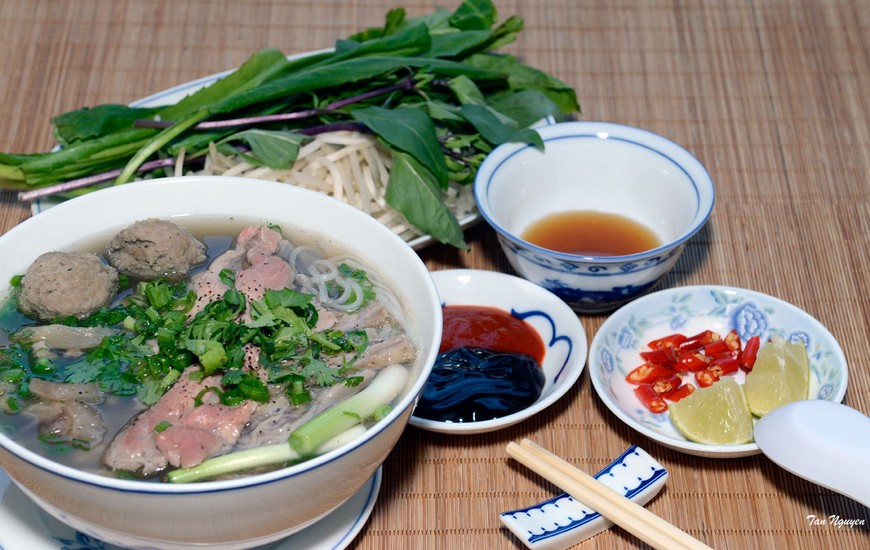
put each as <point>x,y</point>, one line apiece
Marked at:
<point>349,166</point>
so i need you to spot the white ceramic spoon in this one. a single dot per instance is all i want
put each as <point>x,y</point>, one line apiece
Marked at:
<point>824,442</point>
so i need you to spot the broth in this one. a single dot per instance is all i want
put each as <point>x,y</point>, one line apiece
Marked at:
<point>591,233</point>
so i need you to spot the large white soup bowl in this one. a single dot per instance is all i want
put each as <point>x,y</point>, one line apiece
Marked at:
<point>243,512</point>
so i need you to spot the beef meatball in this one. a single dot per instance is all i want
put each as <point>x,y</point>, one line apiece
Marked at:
<point>152,249</point>
<point>63,284</point>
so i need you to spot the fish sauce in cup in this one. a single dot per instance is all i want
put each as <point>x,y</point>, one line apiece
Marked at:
<point>591,233</point>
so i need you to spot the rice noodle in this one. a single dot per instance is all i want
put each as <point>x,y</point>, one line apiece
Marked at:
<point>350,166</point>
<point>320,271</point>
<point>321,276</point>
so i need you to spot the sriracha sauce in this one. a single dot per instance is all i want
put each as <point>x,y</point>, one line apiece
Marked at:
<point>490,328</point>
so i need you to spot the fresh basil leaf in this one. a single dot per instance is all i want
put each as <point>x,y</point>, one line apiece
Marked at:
<point>409,130</point>
<point>445,112</point>
<point>414,191</point>
<point>437,20</point>
<point>474,15</point>
<point>526,107</point>
<point>522,77</point>
<point>505,34</point>
<point>466,91</point>
<point>276,149</point>
<point>393,22</point>
<point>494,129</point>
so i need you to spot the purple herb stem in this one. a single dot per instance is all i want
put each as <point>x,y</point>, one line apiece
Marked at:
<point>405,84</point>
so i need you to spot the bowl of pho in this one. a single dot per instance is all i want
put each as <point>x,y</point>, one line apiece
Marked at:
<point>206,360</point>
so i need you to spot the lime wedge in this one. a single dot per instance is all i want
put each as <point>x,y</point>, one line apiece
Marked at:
<point>781,375</point>
<point>715,415</point>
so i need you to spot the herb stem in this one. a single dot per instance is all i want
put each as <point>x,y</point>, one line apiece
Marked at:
<point>406,84</point>
<point>87,181</point>
<point>156,143</point>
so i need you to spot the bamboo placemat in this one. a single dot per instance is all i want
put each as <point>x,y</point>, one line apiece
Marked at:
<point>772,96</point>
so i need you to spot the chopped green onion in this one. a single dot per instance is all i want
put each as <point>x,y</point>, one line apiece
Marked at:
<point>356,408</point>
<point>268,455</point>
<point>211,353</point>
<point>197,401</point>
<point>42,366</point>
<point>296,391</point>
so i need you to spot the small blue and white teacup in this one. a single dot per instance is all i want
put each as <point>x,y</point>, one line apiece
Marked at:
<point>602,167</point>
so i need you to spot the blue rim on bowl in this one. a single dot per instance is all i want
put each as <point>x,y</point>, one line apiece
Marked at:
<point>559,327</point>
<point>615,351</point>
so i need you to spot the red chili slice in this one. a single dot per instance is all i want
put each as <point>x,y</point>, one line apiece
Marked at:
<point>699,340</point>
<point>679,393</point>
<point>749,353</point>
<point>724,365</point>
<point>666,385</point>
<point>733,341</point>
<point>664,356</point>
<point>650,399</point>
<point>669,341</point>
<point>706,377</point>
<point>717,347</point>
<point>647,373</point>
<point>691,362</point>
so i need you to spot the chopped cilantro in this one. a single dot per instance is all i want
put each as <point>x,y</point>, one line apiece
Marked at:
<point>323,374</point>
<point>156,340</point>
<point>150,392</point>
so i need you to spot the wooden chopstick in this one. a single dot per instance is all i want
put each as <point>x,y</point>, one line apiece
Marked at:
<point>629,515</point>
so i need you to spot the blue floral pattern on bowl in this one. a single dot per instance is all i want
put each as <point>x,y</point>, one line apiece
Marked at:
<point>615,283</point>
<point>615,350</point>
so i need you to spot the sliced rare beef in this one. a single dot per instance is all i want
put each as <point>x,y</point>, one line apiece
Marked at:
<point>257,267</point>
<point>175,432</point>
